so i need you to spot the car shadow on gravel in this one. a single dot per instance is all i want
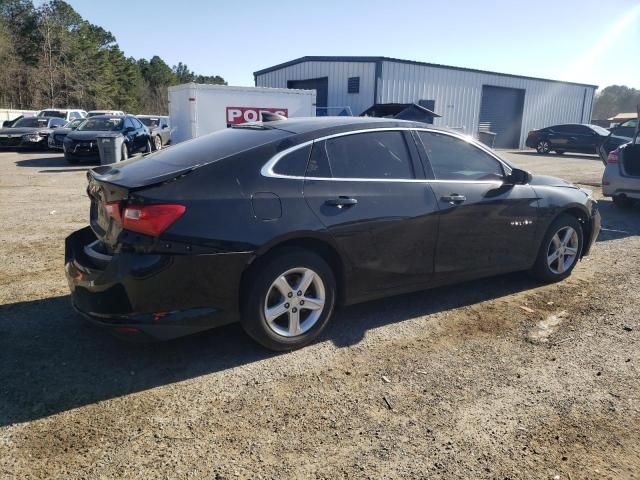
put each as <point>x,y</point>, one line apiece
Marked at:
<point>618,222</point>
<point>43,162</point>
<point>51,361</point>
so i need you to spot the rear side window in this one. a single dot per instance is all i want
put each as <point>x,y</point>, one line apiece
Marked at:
<point>452,158</point>
<point>293,164</point>
<point>379,155</point>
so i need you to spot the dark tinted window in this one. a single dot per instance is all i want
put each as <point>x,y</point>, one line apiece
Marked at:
<point>57,122</point>
<point>101,124</point>
<point>454,159</point>
<point>150,121</point>
<point>53,113</point>
<point>294,163</point>
<point>369,155</point>
<point>318,165</point>
<point>136,123</point>
<point>32,122</point>
<point>353,85</point>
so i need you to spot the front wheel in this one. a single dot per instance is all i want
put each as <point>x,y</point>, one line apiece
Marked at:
<point>124,153</point>
<point>543,147</point>
<point>560,250</point>
<point>157,143</point>
<point>289,300</point>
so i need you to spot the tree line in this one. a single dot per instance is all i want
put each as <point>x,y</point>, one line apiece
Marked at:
<point>51,57</point>
<point>615,99</point>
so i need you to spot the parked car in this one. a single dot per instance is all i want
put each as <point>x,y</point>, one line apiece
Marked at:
<point>625,129</point>
<point>81,144</point>
<point>621,177</point>
<point>95,113</point>
<point>29,132</point>
<point>276,223</point>
<point>66,114</point>
<point>159,128</point>
<point>56,138</point>
<point>578,138</point>
<point>10,123</point>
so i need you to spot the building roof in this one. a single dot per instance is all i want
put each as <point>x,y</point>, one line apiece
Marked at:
<point>399,60</point>
<point>624,116</point>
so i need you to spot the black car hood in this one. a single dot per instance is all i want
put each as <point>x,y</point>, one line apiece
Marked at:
<point>24,130</point>
<point>548,181</point>
<point>89,135</point>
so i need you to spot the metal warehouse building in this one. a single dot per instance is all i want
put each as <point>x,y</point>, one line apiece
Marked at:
<point>467,99</point>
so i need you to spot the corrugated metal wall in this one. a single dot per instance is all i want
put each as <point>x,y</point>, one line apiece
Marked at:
<point>458,95</point>
<point>338,73</point>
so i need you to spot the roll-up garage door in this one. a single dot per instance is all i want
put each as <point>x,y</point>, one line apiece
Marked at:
<point>501,113</point>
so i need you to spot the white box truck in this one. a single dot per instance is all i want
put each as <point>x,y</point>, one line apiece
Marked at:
<point>197,109</point>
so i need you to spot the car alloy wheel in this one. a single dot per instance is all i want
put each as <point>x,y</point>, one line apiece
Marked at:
<point>294,302</point>
<point>157,143</point>
<point>543,146</point>
<point>562,251</point>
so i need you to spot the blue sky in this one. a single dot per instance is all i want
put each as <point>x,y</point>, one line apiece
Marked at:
<point>585,41</point>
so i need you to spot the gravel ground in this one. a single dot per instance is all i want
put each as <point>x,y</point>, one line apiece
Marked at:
<point>457,382</point>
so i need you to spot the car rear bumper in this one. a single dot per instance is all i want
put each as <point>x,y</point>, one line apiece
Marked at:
<point>152,296</point>
<point>614,183</point>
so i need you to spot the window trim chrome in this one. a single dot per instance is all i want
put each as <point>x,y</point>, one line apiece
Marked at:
<point>267,168</point>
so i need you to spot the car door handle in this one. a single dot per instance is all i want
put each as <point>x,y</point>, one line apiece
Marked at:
<point>453,199</point>
<point>341,201</point>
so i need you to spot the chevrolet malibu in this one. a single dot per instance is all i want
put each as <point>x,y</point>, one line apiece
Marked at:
<point>276,224</point>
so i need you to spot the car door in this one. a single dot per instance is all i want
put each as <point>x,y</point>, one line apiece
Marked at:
<point>586,140</point>
<point>559,137</point>
<point>141,134</point>
<point>485,225</point>
<point>369,191</point>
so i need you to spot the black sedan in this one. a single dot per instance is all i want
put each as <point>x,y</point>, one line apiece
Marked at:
<point>29,133</point>
<point>274,224</point>
<point>56,138</point>
<point>578,138</point>
<point>82,143</point>
<point>158,128</point>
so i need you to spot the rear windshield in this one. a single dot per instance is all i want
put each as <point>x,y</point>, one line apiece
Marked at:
<point>74,123</point>
<point>33,122</point>
<point>53,113</point>
<point>217,145</point>
<point>101,124</point>
<point>599,130</point>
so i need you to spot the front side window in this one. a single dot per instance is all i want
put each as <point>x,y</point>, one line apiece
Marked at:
<point>630,123</point>
<point>379,155</point>
<point>452,158</point>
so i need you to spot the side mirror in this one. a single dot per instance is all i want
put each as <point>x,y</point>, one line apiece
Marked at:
<point>518,177</point>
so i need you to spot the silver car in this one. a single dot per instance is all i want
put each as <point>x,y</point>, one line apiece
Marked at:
<point>621,178</point>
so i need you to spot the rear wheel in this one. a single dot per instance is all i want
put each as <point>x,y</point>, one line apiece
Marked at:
<point>157,143</point>
<point>560,250</point>
<point>147,147</point>
<point>70,160</point>
<point>622,201</point>
<point>289,300</point>
<point>543,147</point>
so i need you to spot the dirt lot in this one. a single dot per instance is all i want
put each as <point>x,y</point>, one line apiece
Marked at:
<point>458,382</point>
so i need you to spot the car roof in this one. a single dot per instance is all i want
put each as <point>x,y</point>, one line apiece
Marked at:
<point>152,116</point>
<point>311,124</point>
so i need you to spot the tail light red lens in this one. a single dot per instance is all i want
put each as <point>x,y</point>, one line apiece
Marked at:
<point>151,219</point>
<point>613,157</point>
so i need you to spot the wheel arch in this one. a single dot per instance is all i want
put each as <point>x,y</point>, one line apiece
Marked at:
<point>581,214</point>
<point>311,241</point>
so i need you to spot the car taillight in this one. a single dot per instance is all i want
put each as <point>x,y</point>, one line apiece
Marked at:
<point>151,219</point>
<point>613,157</point>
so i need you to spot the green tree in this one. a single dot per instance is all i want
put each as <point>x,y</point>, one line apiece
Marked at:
<point>615,99</point>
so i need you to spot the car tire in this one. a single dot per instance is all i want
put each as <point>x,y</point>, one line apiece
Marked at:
<point>157,143</point>
<point>274,299</point>
<point>553,263</point>
<point>147,147</point>
<point>622,201</point>
<point>543,147</point>
<point>124,153</point>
